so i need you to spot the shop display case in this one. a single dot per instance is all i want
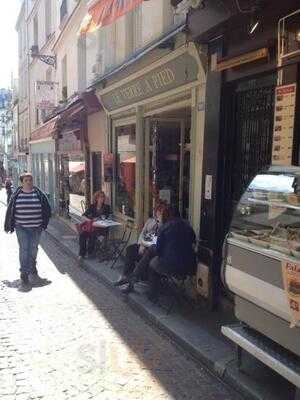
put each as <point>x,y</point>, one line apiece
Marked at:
<point>265,233</point>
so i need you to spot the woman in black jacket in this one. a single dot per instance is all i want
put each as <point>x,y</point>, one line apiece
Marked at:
<point>97,210</point>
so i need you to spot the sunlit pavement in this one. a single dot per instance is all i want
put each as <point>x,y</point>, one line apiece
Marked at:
<point>74,339</point>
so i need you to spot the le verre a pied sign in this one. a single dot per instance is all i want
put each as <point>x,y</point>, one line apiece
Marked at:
<point>45,95</point>
<point>171,75</point>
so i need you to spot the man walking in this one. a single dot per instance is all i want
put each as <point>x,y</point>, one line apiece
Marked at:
<point>28,213</point>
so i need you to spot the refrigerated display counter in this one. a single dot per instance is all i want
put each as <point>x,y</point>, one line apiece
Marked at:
<point>264,243</point>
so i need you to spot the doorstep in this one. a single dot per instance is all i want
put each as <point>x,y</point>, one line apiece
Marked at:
<point>198,331</point>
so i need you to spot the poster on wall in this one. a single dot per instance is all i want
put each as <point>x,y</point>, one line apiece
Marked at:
<point>291,281</point>
<point>108,166</point>
<point>45,95</point>
<point>283,132</point>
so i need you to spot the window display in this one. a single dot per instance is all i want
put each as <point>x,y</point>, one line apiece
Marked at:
<point>268,214</point>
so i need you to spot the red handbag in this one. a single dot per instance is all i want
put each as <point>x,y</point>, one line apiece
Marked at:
<point>85,227</point>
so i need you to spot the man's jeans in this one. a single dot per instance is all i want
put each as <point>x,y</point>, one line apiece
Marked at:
<point>28,239</point>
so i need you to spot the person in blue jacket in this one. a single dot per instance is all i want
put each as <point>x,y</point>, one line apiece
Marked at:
<point>175,252</point>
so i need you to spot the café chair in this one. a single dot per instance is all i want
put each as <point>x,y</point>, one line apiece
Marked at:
<point>121,244</point>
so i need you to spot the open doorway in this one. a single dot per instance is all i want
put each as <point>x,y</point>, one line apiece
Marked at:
<point>168,158</point>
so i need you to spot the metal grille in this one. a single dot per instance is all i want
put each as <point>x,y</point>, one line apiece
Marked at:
<point>253,135</point>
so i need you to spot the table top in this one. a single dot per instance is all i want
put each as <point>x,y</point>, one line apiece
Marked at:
<point>149,242</point>
<point>105,223</point>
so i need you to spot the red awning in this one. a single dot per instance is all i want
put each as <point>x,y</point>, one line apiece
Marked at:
<point>45,131</point>
<point>105,12</point>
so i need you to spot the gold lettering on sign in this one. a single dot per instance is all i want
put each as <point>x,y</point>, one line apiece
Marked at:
<point>163,78</point>
<point>148,87</point>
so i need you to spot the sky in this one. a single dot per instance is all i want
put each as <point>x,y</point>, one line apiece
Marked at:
<point>8,41</point>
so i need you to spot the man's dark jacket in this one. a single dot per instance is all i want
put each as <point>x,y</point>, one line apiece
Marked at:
<point>9,225</point>
<point>175,246</point>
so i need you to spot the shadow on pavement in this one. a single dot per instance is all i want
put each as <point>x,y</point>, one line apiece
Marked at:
<point>157,357</point>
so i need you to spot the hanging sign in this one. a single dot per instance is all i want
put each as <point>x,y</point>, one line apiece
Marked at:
<point>45,95</point>
<point>291,281</point>
<point>284,118</point>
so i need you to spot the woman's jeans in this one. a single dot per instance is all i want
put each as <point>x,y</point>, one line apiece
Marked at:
<point>29,239</point>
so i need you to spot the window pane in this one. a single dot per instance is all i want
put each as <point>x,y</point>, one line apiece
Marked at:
<point>125,173</point>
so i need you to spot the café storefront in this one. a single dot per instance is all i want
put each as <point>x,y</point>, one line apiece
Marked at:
<point>155,118</point>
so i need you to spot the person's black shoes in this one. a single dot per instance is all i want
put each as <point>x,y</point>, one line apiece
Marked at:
<point>127,289</point>
<point>24,278</point>
<point>122,281</point>
<point>25,284</point>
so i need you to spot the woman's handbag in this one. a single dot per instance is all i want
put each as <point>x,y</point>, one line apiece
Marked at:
<point>85,227</point>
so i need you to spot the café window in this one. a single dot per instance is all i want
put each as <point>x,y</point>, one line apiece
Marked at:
<point>125,170</point>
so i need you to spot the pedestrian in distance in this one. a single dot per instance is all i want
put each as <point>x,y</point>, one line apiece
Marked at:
<point>28,214</point>
<point>9,189</point>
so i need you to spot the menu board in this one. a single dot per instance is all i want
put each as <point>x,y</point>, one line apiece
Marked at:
<point>291,280</point>
<point>283,135</point>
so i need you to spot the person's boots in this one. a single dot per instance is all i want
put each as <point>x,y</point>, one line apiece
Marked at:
<point>24,278</point>
<point>128,288</point>
<point>25,284</point>
<point>121,281</point>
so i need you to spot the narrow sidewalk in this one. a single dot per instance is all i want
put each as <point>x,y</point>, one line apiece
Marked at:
<point>198,331</point>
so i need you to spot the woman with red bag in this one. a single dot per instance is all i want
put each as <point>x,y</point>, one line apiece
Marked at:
<point>88,234</point>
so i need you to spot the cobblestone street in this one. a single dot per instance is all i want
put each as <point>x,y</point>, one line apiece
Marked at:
<point>74,339</point>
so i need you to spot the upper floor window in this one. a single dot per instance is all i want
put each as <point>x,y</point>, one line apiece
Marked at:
<point>63,9</point>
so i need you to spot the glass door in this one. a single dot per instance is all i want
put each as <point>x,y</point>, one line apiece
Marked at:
<point>167,164</point>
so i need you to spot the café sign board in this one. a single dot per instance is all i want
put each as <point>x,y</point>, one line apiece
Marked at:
<point>171,75</point>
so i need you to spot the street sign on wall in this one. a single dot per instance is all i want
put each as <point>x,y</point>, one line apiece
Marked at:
<point>45,95</point>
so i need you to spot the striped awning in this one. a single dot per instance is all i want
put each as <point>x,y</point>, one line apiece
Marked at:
<point>105,12</point>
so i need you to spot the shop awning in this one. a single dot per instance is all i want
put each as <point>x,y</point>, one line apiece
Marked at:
<point>105,12</point>
<point>45,131</point>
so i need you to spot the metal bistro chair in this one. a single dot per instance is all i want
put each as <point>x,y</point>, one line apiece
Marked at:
<point>83,206</point>
<point>173,284</point>
<point>120,245</point>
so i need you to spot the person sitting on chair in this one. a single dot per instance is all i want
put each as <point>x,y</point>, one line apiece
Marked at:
<point>140,272</point>
<point>137,252</point>
<point>175,252</point>
<point>96,210</point>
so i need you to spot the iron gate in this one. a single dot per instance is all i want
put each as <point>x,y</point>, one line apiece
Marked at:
<point>253,133</point>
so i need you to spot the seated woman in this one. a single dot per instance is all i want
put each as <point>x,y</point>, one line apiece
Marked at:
<point>138,256</point>
<point>97,209</point>
<point>141,264</point>
<point>175,252</point>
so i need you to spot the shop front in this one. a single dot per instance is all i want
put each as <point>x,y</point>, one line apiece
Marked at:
<point>74,155</point>
<point>156,119</point>
<point>239,120</point>
<point>43,160</point>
